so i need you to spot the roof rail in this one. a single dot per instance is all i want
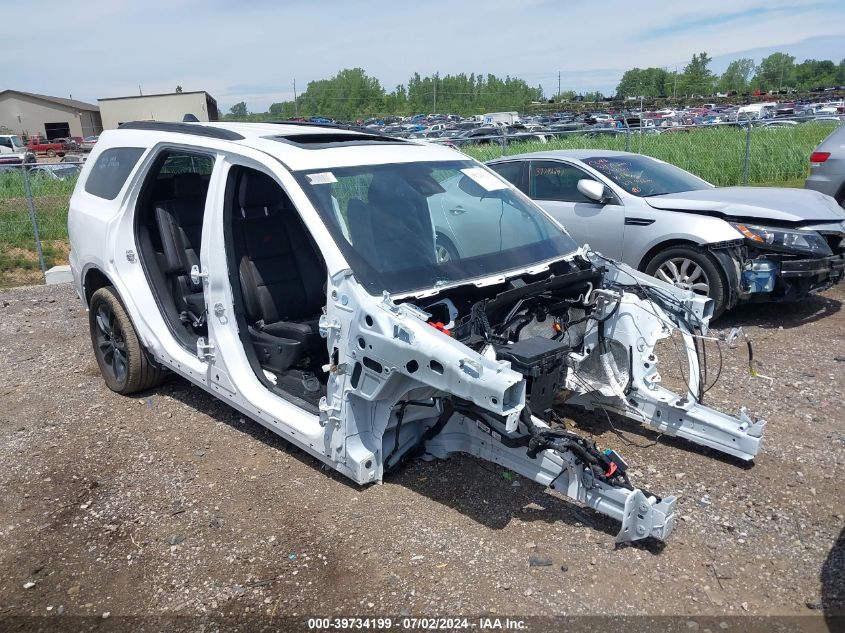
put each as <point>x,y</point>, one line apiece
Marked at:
<point>183,128</point>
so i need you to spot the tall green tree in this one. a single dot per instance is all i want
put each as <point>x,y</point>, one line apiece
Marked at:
<point>283,110</point>
<point>644,82</point>
<point>813,73</point>
<point>349,94</point>
<point>239,110</point>
<point>737,75</point>
<point>469,94</point>
<point>697,78</point>
<point>775,72</point>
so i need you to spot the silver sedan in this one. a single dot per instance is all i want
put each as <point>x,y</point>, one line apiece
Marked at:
<point>732,244</point>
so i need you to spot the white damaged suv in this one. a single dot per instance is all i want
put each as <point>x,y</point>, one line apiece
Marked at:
<point>310,277</point>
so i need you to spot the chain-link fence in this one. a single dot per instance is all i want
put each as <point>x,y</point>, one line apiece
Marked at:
<point>760,153</point>
<point>34,197</point>
<point>33,218</point>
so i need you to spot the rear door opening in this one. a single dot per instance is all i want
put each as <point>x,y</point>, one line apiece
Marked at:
<point>168,226</point>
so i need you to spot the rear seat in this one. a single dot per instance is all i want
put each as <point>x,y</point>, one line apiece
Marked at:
<point>179,221</point>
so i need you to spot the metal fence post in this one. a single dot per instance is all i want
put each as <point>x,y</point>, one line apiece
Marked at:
<point>504,143</point>
<point>30,203</point>
<point>627,136</point>
<point>747,162</point>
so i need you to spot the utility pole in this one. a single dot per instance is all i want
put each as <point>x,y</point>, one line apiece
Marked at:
<point>558,85</point>
<point>435,94</point>
<point>141,94</point>
<point>295,103</point>
<point>675,85</point>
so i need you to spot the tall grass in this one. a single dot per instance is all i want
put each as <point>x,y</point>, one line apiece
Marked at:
<point>778,156</point>
<point>17,243</point>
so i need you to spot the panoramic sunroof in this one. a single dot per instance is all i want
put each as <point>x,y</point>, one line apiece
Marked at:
<point>329,139</point>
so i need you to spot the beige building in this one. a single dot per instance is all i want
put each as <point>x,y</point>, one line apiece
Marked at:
<point>162,107</point>
<point>31,114</point>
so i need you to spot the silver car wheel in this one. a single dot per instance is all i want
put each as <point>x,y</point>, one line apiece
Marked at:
<point>443,254</point>
<point>684,273</point>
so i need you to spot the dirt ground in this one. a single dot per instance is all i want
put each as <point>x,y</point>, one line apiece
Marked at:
<point>173,503</point>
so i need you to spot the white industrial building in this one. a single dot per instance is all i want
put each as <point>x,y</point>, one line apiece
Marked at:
<point>30,114</point>
<point>160,107</point>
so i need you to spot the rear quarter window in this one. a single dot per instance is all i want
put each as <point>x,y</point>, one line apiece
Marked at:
<point>111,170</point>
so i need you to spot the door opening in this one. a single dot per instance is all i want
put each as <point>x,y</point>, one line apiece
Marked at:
<point>56,130</point>
<point>168,225</point>
<point>278,280</point>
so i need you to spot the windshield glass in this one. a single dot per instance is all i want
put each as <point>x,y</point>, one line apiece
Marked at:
<point>405,227</point>
<point>12,142</point>
<point>643,176</point>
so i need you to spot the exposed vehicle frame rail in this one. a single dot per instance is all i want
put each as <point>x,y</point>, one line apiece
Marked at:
<point>638,326</point>
<point>641,514</point>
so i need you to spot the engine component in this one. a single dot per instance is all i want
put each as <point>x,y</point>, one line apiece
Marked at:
<point>543,363</point>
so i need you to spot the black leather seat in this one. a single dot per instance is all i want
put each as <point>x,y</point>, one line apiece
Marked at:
<point>179,222</point>
<point>282,277</point>
<point>393,231</point>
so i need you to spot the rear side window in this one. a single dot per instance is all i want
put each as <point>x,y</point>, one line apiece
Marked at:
<point>111,171</point>
<point>510,171</point>
<point>187,164</point>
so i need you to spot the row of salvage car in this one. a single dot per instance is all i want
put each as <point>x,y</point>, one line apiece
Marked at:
<point>373,300</point>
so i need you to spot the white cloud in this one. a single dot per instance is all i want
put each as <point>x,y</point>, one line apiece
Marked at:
<point>253,50</point>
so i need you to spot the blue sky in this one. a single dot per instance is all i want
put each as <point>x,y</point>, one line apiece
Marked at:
<point>253,50</point>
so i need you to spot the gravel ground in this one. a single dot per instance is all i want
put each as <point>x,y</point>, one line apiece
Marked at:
<point>173,503</point>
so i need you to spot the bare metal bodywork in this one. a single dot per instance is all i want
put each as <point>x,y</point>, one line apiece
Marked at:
<point>415,362</point>
<point>468,365</point>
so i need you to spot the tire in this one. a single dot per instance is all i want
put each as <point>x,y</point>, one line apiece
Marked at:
<point>446,251</point>
<point>691,268</point>
<point>51,153</point>
<point>125,364</point>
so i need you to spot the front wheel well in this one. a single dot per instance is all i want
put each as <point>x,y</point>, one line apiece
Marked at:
<point>662,247</point>
<point>446,241</point>
<point>94,280</point>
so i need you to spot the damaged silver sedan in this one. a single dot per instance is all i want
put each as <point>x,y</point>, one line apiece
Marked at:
<point>731,244</point>
<point>374,301</point>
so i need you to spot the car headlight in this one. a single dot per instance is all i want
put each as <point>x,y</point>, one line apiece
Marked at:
<point>808,242</point>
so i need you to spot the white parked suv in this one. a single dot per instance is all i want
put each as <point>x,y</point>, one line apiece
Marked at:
<point>293,271</point>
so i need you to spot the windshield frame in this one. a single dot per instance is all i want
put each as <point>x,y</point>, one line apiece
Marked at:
<point>648,163</point>
<point>555,247</point>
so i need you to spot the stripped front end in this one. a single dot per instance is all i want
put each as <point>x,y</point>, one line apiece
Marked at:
<point>476,368</point>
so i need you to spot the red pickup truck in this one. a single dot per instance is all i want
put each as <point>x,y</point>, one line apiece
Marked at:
<point>37,145</point>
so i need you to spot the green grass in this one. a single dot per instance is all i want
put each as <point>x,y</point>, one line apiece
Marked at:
<point>18,253</point>
<point>779,156</point>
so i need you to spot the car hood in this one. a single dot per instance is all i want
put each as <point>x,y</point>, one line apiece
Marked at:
<point>793,206</point>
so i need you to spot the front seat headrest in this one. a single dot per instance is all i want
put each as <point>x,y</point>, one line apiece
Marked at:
<point>259,195</point>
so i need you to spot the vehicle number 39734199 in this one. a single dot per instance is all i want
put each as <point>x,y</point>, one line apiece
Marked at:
<point>414,623</point>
